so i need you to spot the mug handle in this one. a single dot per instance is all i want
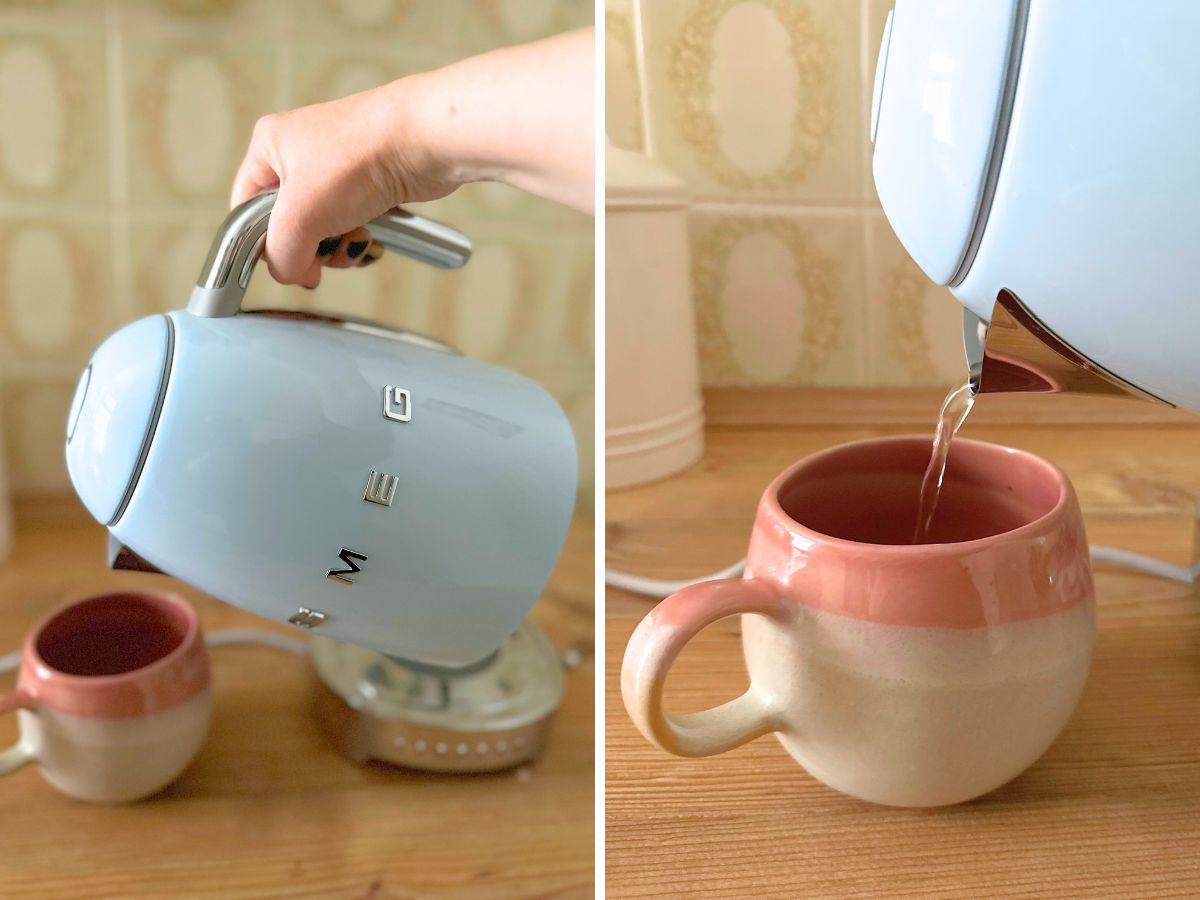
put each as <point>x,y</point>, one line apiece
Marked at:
<point>658,640</point>
<point>19,753</point>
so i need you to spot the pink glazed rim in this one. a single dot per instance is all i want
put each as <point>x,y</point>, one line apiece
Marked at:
<point>1032,528</point>
<point>177,676</point>
<point>1037,569</point>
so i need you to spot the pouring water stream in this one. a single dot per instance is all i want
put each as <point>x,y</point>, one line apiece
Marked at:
<point>955,409</point>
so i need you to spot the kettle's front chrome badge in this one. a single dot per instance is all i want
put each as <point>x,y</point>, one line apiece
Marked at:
<point>397,404</point>
<point>347,556</point>
<point>381,488</point>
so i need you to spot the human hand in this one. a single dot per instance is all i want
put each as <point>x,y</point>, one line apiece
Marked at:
<point>520,115</point>
<point>336,166</point>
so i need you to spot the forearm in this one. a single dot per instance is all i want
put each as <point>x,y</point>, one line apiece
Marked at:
<point>521,115</point>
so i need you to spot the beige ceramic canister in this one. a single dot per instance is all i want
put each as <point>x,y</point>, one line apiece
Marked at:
<point>654,411</point>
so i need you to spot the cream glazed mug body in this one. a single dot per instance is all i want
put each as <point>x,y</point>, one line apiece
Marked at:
<point>114,696</point>
<point>907,675</point>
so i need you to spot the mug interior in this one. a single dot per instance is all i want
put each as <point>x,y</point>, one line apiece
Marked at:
<point>112,635</point>
<point>868,492</point>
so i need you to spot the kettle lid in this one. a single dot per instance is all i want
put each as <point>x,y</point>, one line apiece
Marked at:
<point>114,412</point>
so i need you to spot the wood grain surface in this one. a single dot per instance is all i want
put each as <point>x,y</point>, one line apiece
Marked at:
<point>1111,810</point>
<point>267,809</point>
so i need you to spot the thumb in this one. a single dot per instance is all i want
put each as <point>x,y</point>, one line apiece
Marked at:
<point>293,234</point>
<point>255,176</point>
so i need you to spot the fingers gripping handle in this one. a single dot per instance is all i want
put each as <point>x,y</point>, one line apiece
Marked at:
<point>239,244</point>
<point>652,650</point>
<point>19,753</point>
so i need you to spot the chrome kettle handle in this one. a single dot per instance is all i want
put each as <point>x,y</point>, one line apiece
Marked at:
<point>239,244</point>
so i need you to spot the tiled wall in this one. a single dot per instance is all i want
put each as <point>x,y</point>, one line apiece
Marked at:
<point>763,107</point>
<point>121,125</point>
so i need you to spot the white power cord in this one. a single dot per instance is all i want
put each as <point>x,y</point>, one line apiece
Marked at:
<point>652,587</point>
<point>1145,564</point>
<point>226,637</point>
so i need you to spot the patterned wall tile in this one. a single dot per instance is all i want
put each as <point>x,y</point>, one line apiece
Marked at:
<point>491,204</point>
<point>55,293</point>
<point>35,417</point>
<point>52,15</point>
<point>220,15</point>
<point>756,98</point>
<point>326,72</point>
<point>191,106</point>
<point>167,254</point>
<point>915,325</point>
<point>81,255</point>
<point>411,22</point>
<point>486,24</point>
<point>53,104</point>
<point>778,297</point>
<point>622,84</point>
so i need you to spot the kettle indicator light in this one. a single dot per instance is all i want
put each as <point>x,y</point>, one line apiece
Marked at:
<point>348,556</point>
<point>397,404</point>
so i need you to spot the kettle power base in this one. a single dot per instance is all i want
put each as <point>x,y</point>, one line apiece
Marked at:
<point>363,738</point>
<point>373,708</point>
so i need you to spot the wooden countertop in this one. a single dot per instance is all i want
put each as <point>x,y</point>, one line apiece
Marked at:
<point>268,809</point>
<point>1112,810</point>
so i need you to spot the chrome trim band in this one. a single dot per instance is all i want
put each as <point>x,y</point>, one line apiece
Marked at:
<point>164,380</point>
<point>999,142</point>
<point>350,323</point>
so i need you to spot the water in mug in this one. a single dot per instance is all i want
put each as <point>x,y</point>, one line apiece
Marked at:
<point>955,409</point>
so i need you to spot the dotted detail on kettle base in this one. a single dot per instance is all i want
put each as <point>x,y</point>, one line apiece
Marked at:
<point>348,556</point>
<point>397,404</point>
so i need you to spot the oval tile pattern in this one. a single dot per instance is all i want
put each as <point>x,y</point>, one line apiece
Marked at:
<point>486,301</point>
<point>357,77</point>
<point>198,124</point>
<point>526,18</point>
<point>367,12</point>
<point>622,94</point>
<point>180,266</point>
<point>40,287</point>
<point>762,307</point>
<point>753,96</point>
<point>40,416</point>
<point>753,87</point>
<point>31,108</point>
<point>773,300</point>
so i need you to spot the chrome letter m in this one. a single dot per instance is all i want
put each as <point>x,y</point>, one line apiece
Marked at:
<point>347,556</point>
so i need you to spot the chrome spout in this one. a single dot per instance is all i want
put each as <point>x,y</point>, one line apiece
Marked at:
<point>1017,353</point>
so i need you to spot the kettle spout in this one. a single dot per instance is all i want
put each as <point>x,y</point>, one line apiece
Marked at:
<point>121,557</point>
<point>1016,353</point>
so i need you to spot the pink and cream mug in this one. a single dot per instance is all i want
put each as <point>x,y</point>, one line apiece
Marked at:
<point>909,675</point>
<point>114,696</point>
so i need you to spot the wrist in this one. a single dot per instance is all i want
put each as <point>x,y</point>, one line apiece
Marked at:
<point>443,125</point>
<point>406,160</point>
